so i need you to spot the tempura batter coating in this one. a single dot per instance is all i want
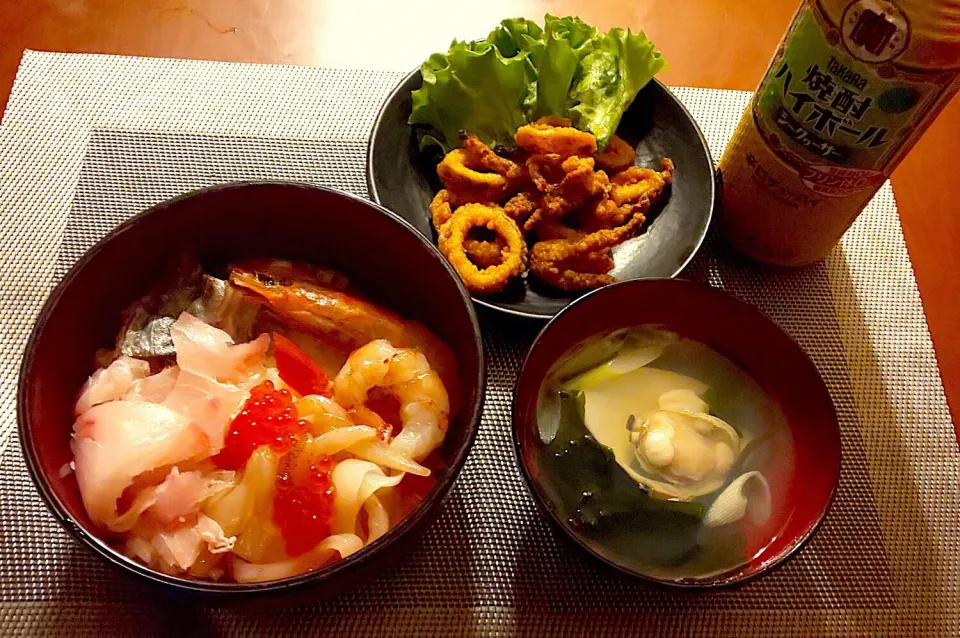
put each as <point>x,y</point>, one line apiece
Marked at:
<point>513,256</point>
<point>579,264</point>
<point>477,170</point>
<point>566,184</point>
<point>555,135</point>
<point>617,156</point>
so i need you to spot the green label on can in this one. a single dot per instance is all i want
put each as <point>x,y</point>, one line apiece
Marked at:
<point>834,106</point>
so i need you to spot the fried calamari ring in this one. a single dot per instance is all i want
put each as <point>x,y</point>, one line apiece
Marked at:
<point>513,256</point>
<point>440,208</point>
<point>456,174</point>
<point>477,170</point>
<point>617,156</point>
<point>446,201</point>
<point>637,182</point>
<point>555,135</point>
<point>566,184</point>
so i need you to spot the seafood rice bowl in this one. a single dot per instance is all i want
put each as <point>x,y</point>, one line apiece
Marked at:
<point>251,422</point>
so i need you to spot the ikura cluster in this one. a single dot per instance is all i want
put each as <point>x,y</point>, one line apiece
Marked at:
<point>303,506</point>
<point>268,418</point>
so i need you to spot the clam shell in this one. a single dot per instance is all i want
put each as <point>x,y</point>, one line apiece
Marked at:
<point>662,482</point>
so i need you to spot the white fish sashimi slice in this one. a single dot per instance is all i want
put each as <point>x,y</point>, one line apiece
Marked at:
<point>155,388</point>
<point>183,493</point>
<point>111,383</point>
<point>210,352</point>
<point>115,442</point>
<point>179,548</point>
<point>176,550</point>
<point>207,404</point>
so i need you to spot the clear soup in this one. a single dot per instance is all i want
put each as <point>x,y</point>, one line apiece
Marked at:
<point>663,455</point>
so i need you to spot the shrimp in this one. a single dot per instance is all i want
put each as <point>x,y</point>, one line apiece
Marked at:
<point>406,374</point>
<point>293,292</point>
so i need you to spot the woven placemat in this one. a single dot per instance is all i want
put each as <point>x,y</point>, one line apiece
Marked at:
<point>88,141</point>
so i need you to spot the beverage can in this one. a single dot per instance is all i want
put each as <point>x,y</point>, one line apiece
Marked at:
<point>850,89</point>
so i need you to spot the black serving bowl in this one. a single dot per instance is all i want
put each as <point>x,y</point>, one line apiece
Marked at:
<point>381,254</point>
<point>745,336</point>
<point>404,179</point>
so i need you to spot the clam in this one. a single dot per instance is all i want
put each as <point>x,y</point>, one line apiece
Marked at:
<point>683,451</point>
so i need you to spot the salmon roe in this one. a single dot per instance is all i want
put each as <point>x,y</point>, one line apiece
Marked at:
<point>303,506</point>
<point>268,417</point>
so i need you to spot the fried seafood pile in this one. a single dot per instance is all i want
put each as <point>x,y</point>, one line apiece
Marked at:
<point>555,206</point>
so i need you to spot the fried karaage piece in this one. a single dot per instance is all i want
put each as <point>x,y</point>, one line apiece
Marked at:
<point>555,135</point>
<point>513,256</point>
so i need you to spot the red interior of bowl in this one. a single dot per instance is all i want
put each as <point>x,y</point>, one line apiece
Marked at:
<point>222,225</point>
<point>742,334</point>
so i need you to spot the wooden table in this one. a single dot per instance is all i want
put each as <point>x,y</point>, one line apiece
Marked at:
<point>710,43</point>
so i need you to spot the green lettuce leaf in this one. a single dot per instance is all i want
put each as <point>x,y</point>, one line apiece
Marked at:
<point>521,72</point>
<point>568,40</point>
<point>472,87</point>
<point>519,37</point>
<point>608,78</point>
